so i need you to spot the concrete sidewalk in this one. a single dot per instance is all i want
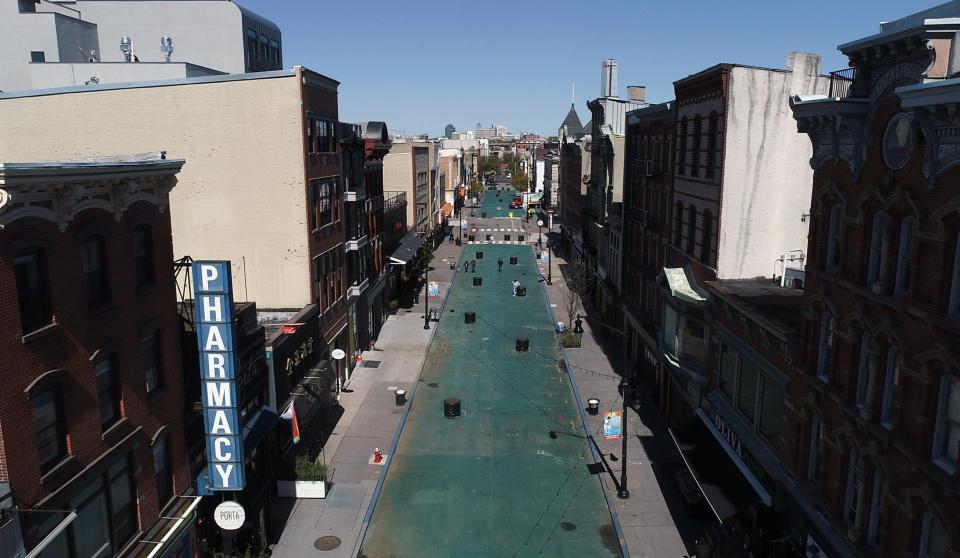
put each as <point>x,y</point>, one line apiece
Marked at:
<point>370,420</point>
<point>654,520</point>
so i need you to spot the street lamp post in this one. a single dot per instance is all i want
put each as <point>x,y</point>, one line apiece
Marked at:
<point>549,261</point>
<point>625,388</point>
<point>540,237</point>
<point>426,294</point>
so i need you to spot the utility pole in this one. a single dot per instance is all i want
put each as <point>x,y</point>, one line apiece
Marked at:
<point>426,293</point>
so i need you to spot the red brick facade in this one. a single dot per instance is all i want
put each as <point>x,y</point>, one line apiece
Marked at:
<point>882,253</point>
<point>63,353</point>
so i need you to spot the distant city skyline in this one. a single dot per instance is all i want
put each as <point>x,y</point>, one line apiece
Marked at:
<point>518,70</point>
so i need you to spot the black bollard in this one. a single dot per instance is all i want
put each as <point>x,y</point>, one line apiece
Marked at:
<point>451,407</point>
<point>593,406</point>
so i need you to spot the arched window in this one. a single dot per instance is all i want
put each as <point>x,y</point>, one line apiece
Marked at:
<point>891,380</point>
<point>711,157</point>
<point>863,372</point>
<point>834,230</point>
<point>706,243</point>
<point>946,443</point>
<point>697,131</point>
<point>903,257</point>
<point>691,228</point>
<point>33,287</point>
<point>953,306</point>
<point>682,148</point>
<point>143,255</point>
<point>825,346</point>
<point>876,261</point>
<point>678,225</point>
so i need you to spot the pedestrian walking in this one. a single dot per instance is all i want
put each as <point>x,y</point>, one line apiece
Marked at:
<point>499,264</point>
<point>466,266</point>
<point>473,266</point>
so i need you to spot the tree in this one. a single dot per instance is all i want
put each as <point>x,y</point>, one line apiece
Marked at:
<point>575,276</point>
<point>520,181</point>
<point>475,190</point>
<point>489,164</point>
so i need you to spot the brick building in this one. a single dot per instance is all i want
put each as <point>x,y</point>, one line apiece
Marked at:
<point>91,414</point>
<point>873,425</point>
<point>376,144</point>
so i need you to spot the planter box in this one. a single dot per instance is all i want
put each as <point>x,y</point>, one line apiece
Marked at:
<point>301,489</point>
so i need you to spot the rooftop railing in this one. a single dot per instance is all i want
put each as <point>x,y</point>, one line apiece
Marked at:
<point>840,82</point>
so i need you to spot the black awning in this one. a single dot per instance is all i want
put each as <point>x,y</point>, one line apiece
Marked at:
<point>406,249</point>
<point>724,486</point>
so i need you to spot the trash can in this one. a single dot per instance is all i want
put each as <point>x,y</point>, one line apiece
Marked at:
<point>593,406</point>
<point>477,281</point>
<point>401,397</point>
<point>513,260</point>
<point>453,264</point>
<point>523,344</point>
<point>521,291</point>
<point>479,255</point>
<point>469,317</point>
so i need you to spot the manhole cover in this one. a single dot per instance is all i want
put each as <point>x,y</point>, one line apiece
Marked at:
<point>567,526</point>
<point>327,543</point>
<point>371,364</point>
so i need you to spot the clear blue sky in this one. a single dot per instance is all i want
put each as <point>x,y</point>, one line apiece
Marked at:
<point>420,64</point>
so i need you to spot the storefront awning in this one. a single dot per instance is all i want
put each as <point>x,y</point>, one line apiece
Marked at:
<point>723,485</point>
<point>679,284</point>
<point>406,249</point>
<point>256,428</point>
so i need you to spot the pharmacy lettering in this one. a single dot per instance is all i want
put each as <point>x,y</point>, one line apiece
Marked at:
<point>213,295</point>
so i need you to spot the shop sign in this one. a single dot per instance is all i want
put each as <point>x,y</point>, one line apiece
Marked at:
<point>229,515</point>
<point>213,296</point>
<point>733,440</point>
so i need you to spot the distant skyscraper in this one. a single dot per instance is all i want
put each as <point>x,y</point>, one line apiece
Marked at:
<point>449,130</point>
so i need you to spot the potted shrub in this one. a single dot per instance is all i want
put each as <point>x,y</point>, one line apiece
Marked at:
<point>569,340</point>
<point>310,480</point>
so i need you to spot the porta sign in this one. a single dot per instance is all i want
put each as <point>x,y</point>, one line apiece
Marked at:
<point>213,295</point>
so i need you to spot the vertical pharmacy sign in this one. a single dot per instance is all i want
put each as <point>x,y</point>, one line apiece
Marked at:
<point>213,295</point>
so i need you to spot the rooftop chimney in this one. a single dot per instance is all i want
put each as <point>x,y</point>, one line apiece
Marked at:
<point>637,92</point>
<point>608,78</point>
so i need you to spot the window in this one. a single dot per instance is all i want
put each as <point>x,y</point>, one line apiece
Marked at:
<point>711,157</point>
<point>326,136</point>
<point>108,390</point>
<point>825,346</point>
<point>747,396</point>
<point>691,228</point>
<point>697,131</point>
<point>143,255</point>
<point>863,372</point>
<point>49,424</point>
<point>876,503</point>
<point>891,380</point>
<point>106,512</point>
<point>706,241</point>
<point>92,253</point>
<point>946,444</point>
<point>816,445</point>
<point>37,56</point>
<point>678,225</point>
<point>251,45</point>
<point>264,48</point>
<point>876,249</point>
<point>852,496</point>
<point>275,53</point>
<point>328,278</point>
<point>311,146</point>
<point>903,257</point>
<point>321,203</point>
<point>933,538</point>
<point>771,410</point>
<point>728,370</point>
<point>833,237</point>
<point>682,148</point>
<point>163,470</point>
<point>32,290</point>
<point>153,360</point>
<point>953,307</point>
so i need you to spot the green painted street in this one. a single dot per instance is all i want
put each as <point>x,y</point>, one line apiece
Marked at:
<point>492,482</point>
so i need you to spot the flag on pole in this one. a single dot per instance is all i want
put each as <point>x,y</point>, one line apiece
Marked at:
<point>291,415</point>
